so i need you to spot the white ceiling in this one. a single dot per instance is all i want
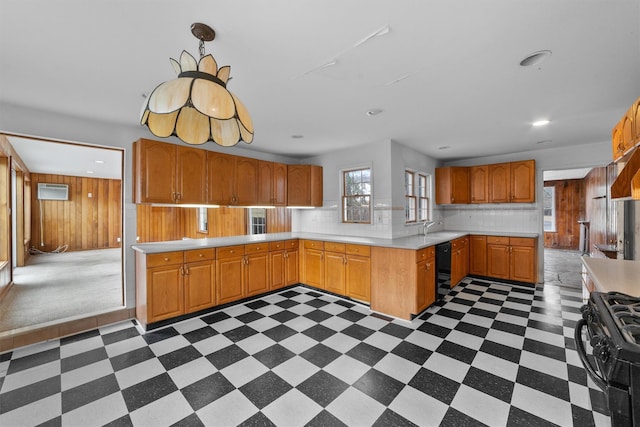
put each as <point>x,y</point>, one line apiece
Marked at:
<point>557,175</point>
<point>446,74</point>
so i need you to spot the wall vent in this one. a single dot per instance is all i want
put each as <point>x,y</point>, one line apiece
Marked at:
<point>53,191</point>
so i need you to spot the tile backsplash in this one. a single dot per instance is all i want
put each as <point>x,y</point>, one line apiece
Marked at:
<point>388,221</point>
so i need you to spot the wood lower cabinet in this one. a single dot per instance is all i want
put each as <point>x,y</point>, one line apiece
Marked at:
<point>478,255</point>
<point>512,258</point>
<point>335,267</point>
<point>292,262</point>
<point>313,260</point>
<point>256,266</point>
<point>283,262</point>
<point>402,280</point>
<point>425,279</point>
<point>459,260</point>
<point>358,272</point>
<point>230,273</point>
<point>171,284</point>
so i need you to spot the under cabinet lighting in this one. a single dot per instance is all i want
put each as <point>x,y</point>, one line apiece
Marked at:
<point>185,205</point>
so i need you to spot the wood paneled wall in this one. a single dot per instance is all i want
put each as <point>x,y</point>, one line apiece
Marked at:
<point>159,224</point>
<point>570,208</point>
<point>600,210</point>
<point>82,222</point>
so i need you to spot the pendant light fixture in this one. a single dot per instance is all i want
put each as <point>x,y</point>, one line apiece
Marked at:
<point>197,107</point>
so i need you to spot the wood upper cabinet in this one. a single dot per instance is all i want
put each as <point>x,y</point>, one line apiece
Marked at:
<point>478,255</point>
<point>523,181</point>
<point>452,185</point>
<point>512,182</point>
<point>459,260</point>
<point>168,173</point>
<point>479,184</point>
<point>272,184</point>
<point>628,130</point>
<point>304,185</point>
<point>617,144</point>
<point>232,180</point>
<point>636,121</point>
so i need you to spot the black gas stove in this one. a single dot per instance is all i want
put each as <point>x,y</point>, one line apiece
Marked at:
<point>612,321</point>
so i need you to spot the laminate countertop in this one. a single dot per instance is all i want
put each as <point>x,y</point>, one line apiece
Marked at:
<point>614,275</point>
<point>414,242</point>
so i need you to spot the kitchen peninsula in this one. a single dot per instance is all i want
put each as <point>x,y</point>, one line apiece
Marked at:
<point>383,272</point>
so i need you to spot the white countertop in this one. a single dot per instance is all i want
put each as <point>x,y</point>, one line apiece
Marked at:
<point>409,242</point>
<point>614,275</point>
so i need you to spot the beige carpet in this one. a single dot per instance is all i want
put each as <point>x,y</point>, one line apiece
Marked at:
<point>57,286</point>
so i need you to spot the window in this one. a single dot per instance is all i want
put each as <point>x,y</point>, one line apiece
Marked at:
<point>203,220</point>
<point>356,196</point>
<point>257,220</point>
<point>416,196</point>
<point>549,208</point>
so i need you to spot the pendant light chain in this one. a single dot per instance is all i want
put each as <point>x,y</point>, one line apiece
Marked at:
<point>201,48</point>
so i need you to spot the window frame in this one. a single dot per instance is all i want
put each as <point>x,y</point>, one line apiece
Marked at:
<point>552,218</point>
<point>343,195</point>
<point>420,194</point>
<point>254,228</point>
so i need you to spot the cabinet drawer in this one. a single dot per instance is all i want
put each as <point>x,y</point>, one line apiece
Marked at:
<point>358,250</point>
<point>199,255</point>
<point>522,241</point>
<point>314,244</point>
<point>425,253</point>
<point>292,244</point>
<point>230,251</point>
<point>497,240</point>
<point>459,243</point>
<point>164,258</point>
<point>334,247</point>
<point>276,246</point>
<point>256,248</point>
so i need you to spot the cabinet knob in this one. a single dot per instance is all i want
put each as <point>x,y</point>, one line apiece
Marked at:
<point>166,258</point>
<point>232,252</point>
<point>200,255</point>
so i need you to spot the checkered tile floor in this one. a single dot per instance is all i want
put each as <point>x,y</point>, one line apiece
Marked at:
<point>492,354</point>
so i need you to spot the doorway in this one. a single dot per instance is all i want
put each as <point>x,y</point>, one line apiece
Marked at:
<point>66,252</point>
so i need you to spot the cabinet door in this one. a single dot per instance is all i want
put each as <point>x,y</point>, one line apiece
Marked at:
<point>199,286</point>
<point>617,144</point>
<point>314,268</point>
<point>191,175</point>
<point>277,267</point>
<point>257,273</point>
<point>164,293</point>
<point>229,273</point>
<point>478,255</point>
<point>627,130</point>
<point>292,269</point>
<point>479,184</point>
<point>155,167</point>
<point>523,264</point>
<point>426,284</point>
<point>279,184</point>
<point>499,183</point>
<point>246,178</point>
<point>456,267</point>
<point>265,183</point>
<point>452,185</point>
<point>334,272</point>
<point>523,180</point>
<point>220,178</point>
<point>498,261</point>
<point>304,185</point>
<point>358,277</point>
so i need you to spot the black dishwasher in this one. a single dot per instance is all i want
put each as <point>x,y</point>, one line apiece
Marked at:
<point>443,268</point>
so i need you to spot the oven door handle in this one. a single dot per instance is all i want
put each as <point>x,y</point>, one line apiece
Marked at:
<point>583,356</point>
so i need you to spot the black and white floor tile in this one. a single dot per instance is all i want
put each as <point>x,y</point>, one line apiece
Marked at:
<point>493,354</point>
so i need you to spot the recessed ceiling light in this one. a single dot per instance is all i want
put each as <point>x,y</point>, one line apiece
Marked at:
<point>99,162</point>
<point>444,147</point>
<point>297,136</point>
<point>541,123</point>
<point>89,171</point>
<point>374,112</point>
<point>546,141</point>
<point>535,58</point>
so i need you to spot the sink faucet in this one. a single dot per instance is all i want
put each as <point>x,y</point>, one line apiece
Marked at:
<point>427,224</point>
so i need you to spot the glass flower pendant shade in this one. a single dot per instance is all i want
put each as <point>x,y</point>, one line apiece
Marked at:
<point>197,107</point>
